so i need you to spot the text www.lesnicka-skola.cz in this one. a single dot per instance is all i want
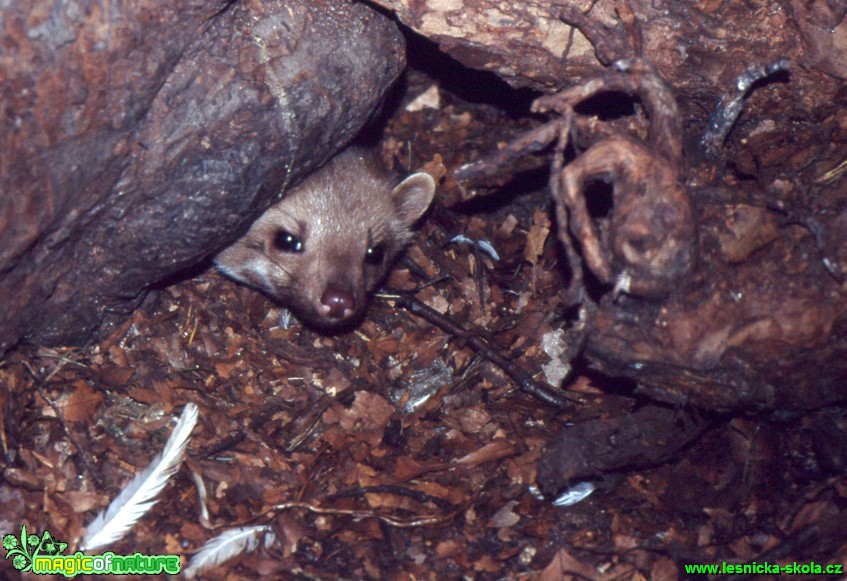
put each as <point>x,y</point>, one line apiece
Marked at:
<point>755,568</point>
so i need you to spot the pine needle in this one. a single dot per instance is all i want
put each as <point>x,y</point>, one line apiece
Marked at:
<point>139,495</point>
<point>227,545</point>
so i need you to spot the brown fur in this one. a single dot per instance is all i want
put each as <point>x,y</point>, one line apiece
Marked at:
<point>322,273</point>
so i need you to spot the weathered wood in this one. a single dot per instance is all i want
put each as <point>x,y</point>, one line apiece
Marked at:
<point>693,45</point>
<point>141,138</point>
<point>724,260</point>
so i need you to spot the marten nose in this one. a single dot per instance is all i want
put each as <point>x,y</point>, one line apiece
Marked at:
<point>337,303</point>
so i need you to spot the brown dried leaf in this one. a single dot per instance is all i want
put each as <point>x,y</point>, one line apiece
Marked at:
<point>507,227</point>
<point>564,563</point>
<point>81,501</point>
<point>489,453</point>
<point>469,420</point>
<point>505,517</point>
<point>116,376</point>
<point>407,468</point>
<point>435,167</point>
<point>366,419</point>
<point>537,236</point>
<point>82,403</point>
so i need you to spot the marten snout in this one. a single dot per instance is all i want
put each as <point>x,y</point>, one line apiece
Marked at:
<point>337,304</point>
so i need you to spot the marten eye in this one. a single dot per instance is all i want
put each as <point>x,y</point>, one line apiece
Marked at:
<point>287,242</point>
<point>375,255</point>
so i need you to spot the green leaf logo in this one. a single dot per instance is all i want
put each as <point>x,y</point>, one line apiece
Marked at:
<point>50,546</point>
<point>22,550</point>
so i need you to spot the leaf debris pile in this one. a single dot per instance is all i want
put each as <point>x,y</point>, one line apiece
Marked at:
<point>398,451</point>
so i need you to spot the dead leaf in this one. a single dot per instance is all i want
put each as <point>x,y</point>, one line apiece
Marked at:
<point>537,236</point>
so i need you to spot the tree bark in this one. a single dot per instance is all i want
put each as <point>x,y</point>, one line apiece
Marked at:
<point>142,138</point>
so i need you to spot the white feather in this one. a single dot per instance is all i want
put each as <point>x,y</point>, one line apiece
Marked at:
<point>139,495</point>
<point>227,545</point>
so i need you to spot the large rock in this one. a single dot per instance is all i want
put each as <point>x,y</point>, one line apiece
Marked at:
<point>141,137</point>
<point>693,44</point>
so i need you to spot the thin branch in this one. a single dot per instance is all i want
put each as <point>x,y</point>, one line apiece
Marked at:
<point>523,379</point>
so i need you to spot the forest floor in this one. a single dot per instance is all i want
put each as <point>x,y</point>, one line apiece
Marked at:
<point>400,450</point>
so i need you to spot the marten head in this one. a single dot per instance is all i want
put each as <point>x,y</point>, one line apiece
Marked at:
<point>331,240</point>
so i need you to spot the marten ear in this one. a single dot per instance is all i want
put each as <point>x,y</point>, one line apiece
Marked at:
<point>413,196</point>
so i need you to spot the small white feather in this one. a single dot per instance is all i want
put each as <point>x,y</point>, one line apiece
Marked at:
<point>574,494</point>
<point>488,248</point>
<point>227,545</point>
<point>201,496</point>
<point>460,239</point>
<point>139,495</point>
